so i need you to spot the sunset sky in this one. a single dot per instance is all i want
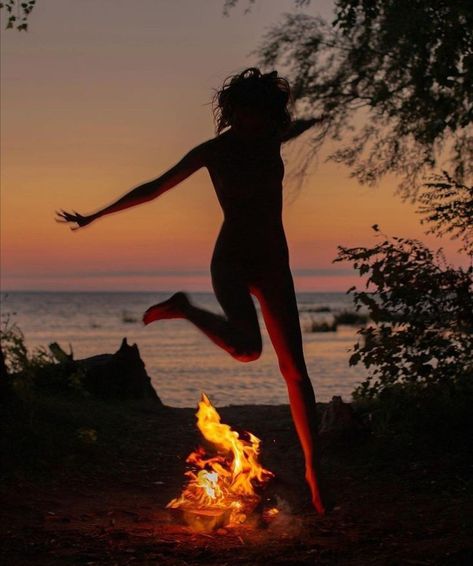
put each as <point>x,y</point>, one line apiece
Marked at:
<point>100,96</point>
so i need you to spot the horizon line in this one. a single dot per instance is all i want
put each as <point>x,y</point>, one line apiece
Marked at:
<point>209,292</point>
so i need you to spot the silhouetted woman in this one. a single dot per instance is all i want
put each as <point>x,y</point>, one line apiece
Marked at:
<point>251,253</point>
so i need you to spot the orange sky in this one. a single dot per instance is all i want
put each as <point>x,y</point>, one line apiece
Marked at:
<point>97,98</point>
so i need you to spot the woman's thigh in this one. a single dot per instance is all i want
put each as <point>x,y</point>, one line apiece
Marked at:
<point>231,288</point>
<point>274,289</point>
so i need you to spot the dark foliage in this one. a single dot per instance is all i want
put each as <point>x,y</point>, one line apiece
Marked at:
<point>422,313</point>
<point>447,206</point>
<point>17,13</point>
<point>392,78</point>
<point>22,367</point>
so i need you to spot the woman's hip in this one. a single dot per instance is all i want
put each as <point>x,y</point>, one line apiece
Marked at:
<point>251,270</point>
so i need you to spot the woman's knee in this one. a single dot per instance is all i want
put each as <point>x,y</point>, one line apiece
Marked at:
<point>248,351</point>
<point>246,355</point>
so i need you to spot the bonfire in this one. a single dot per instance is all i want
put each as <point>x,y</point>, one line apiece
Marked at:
<point>224,477</point>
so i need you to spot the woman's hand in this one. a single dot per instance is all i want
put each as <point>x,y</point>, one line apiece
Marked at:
<point>81,221</point>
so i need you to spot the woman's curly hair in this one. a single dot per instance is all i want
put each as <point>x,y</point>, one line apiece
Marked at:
<point>251,88</point>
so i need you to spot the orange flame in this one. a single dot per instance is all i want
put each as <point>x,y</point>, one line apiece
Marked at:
<point>227,480</point>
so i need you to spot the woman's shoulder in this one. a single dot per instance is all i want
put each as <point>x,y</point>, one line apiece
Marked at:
<point>212,148</point>
<point>212,144</point>
<point>203,151</point>
<point>226,143</point>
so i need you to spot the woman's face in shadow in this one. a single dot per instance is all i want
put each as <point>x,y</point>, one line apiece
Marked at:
<point>251,121</point>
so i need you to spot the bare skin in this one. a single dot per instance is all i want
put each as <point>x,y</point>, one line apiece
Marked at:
<point>250,258</point>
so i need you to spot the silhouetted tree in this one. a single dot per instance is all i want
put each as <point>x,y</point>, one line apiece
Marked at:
<point>17,13</point>
<point>447,206</point>
<point>392,79</point>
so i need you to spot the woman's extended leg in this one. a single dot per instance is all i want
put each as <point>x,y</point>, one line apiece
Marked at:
<point>277,298</point>
<point>237,332</point>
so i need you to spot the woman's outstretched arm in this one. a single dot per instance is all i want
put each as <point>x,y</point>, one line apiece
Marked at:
<point>190,163</point>
<point>298,127</point>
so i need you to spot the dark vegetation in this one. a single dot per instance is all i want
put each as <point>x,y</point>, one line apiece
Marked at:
<point>447,208</point>
<point>422,313</point>
<point>17,12</point>
<point>389,81</point>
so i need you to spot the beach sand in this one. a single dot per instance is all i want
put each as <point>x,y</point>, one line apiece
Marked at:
<point>105,503</point>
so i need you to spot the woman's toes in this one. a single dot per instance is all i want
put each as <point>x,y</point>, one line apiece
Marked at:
<point>146,317</point>
<point>174,307</point>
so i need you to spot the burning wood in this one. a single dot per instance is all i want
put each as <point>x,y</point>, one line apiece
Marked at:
<point>221,487</point>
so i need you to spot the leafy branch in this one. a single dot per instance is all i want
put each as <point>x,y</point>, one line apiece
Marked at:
<point>18,12</point>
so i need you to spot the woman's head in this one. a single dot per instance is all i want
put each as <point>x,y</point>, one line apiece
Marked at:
<point>253,101</point>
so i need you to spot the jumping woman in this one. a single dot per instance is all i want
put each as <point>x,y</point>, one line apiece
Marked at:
<point>251,254</point>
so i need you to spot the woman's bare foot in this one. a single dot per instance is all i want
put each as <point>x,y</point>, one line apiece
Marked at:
<point>174,307</point>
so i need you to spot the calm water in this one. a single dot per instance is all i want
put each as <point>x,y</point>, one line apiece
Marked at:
<point>181,360</point>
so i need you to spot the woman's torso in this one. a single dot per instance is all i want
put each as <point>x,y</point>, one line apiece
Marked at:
<point>247,177</point>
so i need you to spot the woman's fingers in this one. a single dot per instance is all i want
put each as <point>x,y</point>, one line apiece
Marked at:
<point>64,217</point>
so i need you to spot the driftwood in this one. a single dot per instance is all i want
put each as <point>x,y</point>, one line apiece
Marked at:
<point>121,375</point>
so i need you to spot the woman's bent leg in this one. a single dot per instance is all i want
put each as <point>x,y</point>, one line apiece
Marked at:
<point>237,332</point>
<point>278,303</point>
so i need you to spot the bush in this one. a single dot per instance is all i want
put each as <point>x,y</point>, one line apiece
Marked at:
<point>16,355</point>
<point>434,418</point>
<point>422,313</point>
<point>28,371</point>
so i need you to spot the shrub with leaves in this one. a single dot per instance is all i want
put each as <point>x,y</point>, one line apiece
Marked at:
<point>36,369</point>
<point>17,357</point>
<point>422,313</point>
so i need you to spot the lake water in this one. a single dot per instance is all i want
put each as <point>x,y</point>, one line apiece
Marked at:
<point>181,361</point>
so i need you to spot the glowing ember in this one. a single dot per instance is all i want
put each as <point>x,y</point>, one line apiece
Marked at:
<point>223,484</point>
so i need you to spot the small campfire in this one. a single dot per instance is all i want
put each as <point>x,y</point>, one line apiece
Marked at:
<point>221,489</point>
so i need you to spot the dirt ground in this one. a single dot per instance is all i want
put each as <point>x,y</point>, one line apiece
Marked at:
<point>388,508</point>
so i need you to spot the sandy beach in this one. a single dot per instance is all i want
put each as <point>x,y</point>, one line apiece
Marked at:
<point>103,502</point>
